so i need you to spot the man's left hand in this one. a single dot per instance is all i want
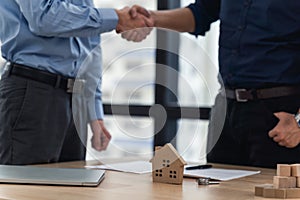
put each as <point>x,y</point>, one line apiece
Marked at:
<point>287,132</point>
<point>101,136</point>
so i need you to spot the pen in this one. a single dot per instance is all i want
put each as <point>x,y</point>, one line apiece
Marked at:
<point>199,167</point>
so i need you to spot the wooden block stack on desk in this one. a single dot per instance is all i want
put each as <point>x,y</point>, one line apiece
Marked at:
<point>286,183</point>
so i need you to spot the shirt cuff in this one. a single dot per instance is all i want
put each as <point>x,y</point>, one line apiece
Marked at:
<point>95,110</point>
<point>109,19</point>
<point>99,110</point>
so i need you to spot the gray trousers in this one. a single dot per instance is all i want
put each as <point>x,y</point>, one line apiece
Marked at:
<point>36,123</point>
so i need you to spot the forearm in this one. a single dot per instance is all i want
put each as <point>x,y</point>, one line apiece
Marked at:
<point>63,19</point>
<point>181,19</point>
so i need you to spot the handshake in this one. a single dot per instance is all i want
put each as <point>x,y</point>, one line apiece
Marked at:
<point>134,23</point>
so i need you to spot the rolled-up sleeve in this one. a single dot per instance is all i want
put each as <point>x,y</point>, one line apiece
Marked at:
<point>205,13</point>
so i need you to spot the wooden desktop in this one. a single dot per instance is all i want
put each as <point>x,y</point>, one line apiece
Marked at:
<point>127,186</point>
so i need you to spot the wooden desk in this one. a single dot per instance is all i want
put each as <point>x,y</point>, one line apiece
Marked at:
<point>126,186</point>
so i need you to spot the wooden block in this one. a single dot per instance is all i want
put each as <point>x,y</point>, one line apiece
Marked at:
<point>274,193</point>
<point>298,182</point>
<point>284,182</point>
<point>259,189</point>
<point>280,193</point>
<point>269,192</point>
<point>292,182</point>
<point>295,170</point>
<point>281,182</point>
<point>283,170</point>
<point>293,193</point>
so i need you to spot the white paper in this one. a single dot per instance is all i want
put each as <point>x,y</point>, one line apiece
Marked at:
<point>219,174</point>
<point>141,167</point>
<point>137,167</point>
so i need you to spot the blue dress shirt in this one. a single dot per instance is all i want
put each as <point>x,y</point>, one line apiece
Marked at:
<point>259,44</point>
<point>55,35</point>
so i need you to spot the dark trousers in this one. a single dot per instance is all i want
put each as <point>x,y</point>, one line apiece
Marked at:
<point>36,123</point>
<point>243,138</point>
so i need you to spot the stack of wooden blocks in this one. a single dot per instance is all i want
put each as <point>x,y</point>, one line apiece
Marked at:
<point>286,183</point>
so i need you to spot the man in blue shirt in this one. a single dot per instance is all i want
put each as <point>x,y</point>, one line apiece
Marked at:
<point>259,58</point>
<point>45,42</point>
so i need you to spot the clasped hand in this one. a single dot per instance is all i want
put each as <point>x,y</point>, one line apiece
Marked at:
<point>134,23</point>
<point>101,136</point>
<point>286,133</point>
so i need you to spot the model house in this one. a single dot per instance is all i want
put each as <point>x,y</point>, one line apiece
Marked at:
<point>167,165</point>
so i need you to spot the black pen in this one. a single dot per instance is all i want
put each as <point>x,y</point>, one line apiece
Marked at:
<point>199,167</point>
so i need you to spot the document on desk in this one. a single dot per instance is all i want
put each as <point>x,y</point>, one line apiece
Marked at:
<point>137,167</point>
<point>219,174</point>
<point>141,167</point>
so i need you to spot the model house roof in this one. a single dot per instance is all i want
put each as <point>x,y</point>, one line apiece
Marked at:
<point>168,152</point>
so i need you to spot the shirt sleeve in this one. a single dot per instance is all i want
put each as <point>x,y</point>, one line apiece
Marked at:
<point>99,105</point>
<point>95,106</point>
<point>63,19</point>
<point>91,72</point>
<point>205,13</point>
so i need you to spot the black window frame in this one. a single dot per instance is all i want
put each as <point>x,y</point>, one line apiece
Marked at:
<point>163,96</point>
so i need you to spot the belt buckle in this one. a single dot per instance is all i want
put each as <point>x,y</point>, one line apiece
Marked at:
<point>75,85</point>
<point>237,95</point>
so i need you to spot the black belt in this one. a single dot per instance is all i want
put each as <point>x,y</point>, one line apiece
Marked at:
<point>244,95</point>
<point>55,80</point>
